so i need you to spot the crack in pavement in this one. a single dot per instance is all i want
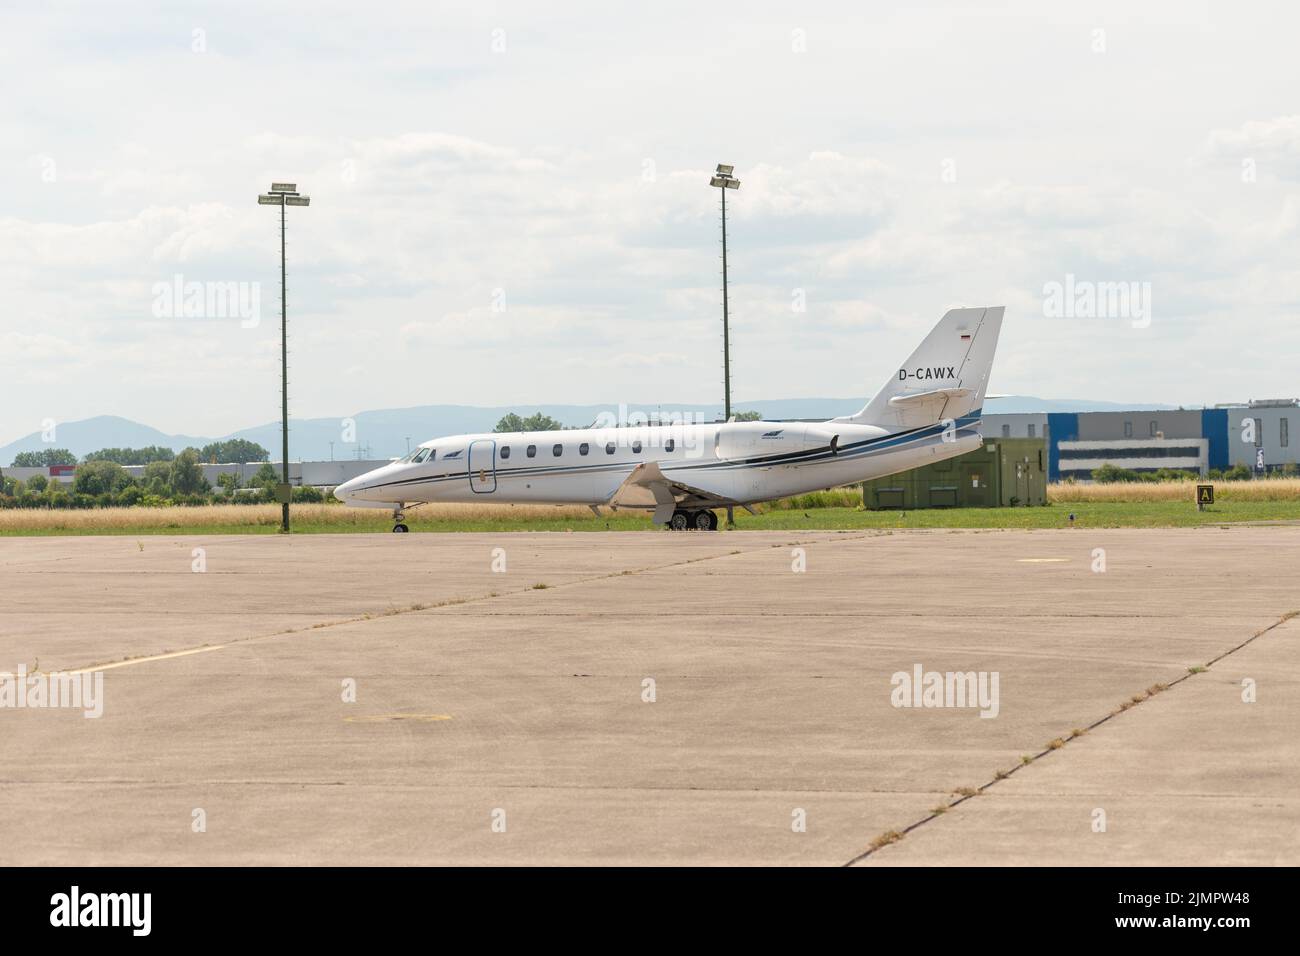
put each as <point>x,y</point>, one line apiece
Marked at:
<point>890,837</point>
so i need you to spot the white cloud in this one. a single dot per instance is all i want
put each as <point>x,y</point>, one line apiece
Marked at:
<point>907,162</point>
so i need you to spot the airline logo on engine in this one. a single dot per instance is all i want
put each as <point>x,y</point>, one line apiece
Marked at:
<point>927,373</point>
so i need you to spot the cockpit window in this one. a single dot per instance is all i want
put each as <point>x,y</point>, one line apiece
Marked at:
<point>422,455</point>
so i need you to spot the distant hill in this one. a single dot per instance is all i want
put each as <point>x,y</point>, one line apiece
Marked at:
<point>92,434</point>
<point>1013,404</point>
<point>384,433</point>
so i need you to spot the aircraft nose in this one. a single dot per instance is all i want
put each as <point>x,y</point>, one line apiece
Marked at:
<point>345,491</point>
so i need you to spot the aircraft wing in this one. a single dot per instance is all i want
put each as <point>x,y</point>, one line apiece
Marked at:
<point>647,487</point>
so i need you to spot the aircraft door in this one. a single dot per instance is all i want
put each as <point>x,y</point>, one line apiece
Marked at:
<point>483,466</point>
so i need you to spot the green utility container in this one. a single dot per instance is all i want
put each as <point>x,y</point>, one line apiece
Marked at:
<point>1004,473</point>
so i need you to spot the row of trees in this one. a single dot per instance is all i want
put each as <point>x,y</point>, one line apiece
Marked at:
<point>235,450</point>
<point>103,483</point>
<point>533,423</point>
<point>44,458</point>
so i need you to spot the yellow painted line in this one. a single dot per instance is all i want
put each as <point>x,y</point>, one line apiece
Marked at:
<point>1040,560</point>
<point>146,660</point>
<point>376,718</point>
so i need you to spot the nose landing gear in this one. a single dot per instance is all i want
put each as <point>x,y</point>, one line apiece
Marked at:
<point>399,521</point>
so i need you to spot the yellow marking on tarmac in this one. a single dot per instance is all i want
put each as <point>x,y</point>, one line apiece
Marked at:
<point>1040,560</point>
<point>146,660</point>
<point>375,718</point>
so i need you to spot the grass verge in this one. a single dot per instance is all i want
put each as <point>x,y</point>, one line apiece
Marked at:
<point>318,519</point>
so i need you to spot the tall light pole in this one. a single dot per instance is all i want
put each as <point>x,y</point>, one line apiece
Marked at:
<point>724,180</point>
<point>282,195</point>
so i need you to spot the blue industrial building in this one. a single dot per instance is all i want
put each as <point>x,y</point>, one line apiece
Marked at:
<point>1256,435</point>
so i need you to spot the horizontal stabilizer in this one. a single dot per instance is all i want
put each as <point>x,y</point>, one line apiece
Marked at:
<point>915,398</point>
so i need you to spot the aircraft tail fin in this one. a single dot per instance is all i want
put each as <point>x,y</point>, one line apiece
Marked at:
<point>946,377</point>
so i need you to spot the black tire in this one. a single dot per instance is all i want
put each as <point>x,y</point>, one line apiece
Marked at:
<point>400,529</point>
<point>713,520</point>
<point>680,521</point>
<point>704,521</point>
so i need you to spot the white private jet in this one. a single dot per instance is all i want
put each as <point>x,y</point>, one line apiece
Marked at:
<point>928,411</point>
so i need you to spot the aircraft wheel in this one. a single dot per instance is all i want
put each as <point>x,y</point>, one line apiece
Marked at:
<point>704,521</point>
<point>680,521</point>
<point>400,529</point>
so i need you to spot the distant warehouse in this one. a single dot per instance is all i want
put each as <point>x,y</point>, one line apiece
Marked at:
<point>1024,452</point>
<point>1255,435</point>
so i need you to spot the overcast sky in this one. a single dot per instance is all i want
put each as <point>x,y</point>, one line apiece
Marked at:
<point>510,201</point>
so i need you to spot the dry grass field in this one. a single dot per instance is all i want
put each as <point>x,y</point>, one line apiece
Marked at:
<point>1270,489</point>
<point>1112,505</point>
<point>331,517</point>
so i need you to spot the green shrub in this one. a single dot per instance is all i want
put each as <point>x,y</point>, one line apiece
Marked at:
<point>131,495</point>
<point>97,478</point>
<point>1108,473</point>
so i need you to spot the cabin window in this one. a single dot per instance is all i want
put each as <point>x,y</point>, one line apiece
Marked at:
<point>557,450</point>
<point>584,448</point>
<point>670,444</point>
<point>532,451</point>
<point>505,451</point>
<point>421,455</point>
<point>609,448</point>
<point>636,447</point>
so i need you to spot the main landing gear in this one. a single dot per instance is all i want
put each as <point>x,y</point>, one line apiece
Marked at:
<point>399,521</point>
<point>693,520</point>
